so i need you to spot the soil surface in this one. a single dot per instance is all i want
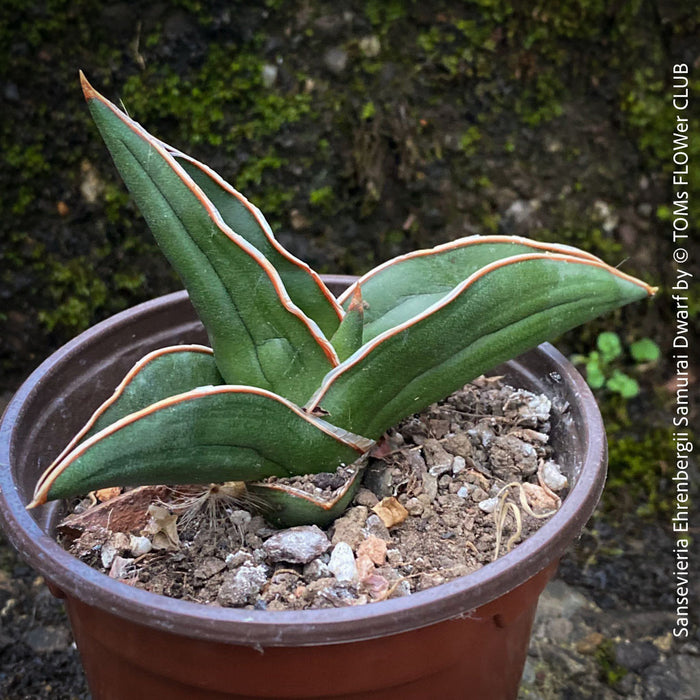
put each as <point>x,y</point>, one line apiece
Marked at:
<point>445,493</point>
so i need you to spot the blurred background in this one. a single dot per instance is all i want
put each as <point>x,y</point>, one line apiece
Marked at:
<point>364,130</point>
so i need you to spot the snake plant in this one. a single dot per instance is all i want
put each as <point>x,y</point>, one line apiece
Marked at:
<point>297,381</point>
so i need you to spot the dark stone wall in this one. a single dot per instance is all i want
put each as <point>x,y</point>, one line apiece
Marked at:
<point>362,130</point>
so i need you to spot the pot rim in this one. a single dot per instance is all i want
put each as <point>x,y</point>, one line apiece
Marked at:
<point>308,627</point>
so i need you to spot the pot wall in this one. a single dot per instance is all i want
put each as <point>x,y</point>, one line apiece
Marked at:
<point>318,647</point>
<point>478,657</point>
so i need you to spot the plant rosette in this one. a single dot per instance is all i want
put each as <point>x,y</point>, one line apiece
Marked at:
<point>293,381</point>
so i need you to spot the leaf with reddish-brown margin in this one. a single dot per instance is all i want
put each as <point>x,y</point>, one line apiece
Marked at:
<point>502,310</point>
<point>305,287</point>
<point>348,337</point>
<point>402,288</point>
<point>211,434</point>
<point>286,506</point>
<point>259,336</point>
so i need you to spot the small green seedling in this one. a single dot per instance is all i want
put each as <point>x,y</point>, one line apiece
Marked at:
<point>602,368</point>
<point>297,381</point>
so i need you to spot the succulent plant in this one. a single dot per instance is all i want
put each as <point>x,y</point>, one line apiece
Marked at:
<point>297,381</point>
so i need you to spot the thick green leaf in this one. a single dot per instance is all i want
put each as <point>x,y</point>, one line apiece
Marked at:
<point>305,287</point>
<point>259,336</point>
<point>160,374</point>
<point>286,507</point>
<point>400,289</point>
<point>348,337</point>
<point>508,307</point>
<point>212,434</point>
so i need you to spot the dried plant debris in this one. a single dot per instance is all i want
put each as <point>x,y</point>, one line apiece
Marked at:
<point>444,493</point>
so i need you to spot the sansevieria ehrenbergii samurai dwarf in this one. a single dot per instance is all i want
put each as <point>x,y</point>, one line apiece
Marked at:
<point>297,381</point>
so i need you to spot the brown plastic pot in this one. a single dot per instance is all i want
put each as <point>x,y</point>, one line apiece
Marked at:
<point>463,639</point>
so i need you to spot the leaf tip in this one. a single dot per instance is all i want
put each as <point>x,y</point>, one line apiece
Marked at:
<point>88,91</point>
<point>356,302</point>
<point>36,501</point>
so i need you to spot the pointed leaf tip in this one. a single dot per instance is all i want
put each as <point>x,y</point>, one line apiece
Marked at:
<point>348,338</point>
<point>356,303</point>
<point>88,91</point>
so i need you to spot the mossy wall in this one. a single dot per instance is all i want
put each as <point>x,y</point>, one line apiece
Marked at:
<point>362,129</point>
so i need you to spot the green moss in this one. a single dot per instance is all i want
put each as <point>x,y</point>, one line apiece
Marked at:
<point>76,292</point>
<point>609,670</point>
<point>384,12</point>
<point>224,103</point>
<point>323,198</point>
<point>368,110</point>
<point>639,468</point>
<point>469,141</point>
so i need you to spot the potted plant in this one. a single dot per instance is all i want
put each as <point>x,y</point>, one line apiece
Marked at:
<point>295,381</point>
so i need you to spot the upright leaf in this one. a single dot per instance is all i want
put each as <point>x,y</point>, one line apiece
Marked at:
<point>305,287</point>
<point>348,337</point>
<point>258,335</point>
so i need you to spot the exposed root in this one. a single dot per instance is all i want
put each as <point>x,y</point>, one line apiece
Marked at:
<point>500,513</point>
<point>214,502</point>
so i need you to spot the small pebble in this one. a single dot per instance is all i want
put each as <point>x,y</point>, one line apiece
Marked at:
<point>430,486</point>
<point>540,501</point>
<point>458,464</point>
<point>120,567</point>
<point>403,588</point>
<point>376,585</point>
<point>536,407</point>
<point>552,476</point>
<point>107,554</point>
<point>241,519</point>
<point>242,586</point>
<point>394,557</point>
<point>139,545</point>
<point>297,545</point>
<point>444,481</point>
<point>317,569</point>
<point>375,526</point>
<point>481,433</point>
<point>235,559</point>
<point>440,469</point>
<point>374,548</point>
<point>342,563</point>
<point>478,495</point>
<point>488,505</point>
<point>414,507</point>
<point>366,498</point>
<point>365,566</point>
